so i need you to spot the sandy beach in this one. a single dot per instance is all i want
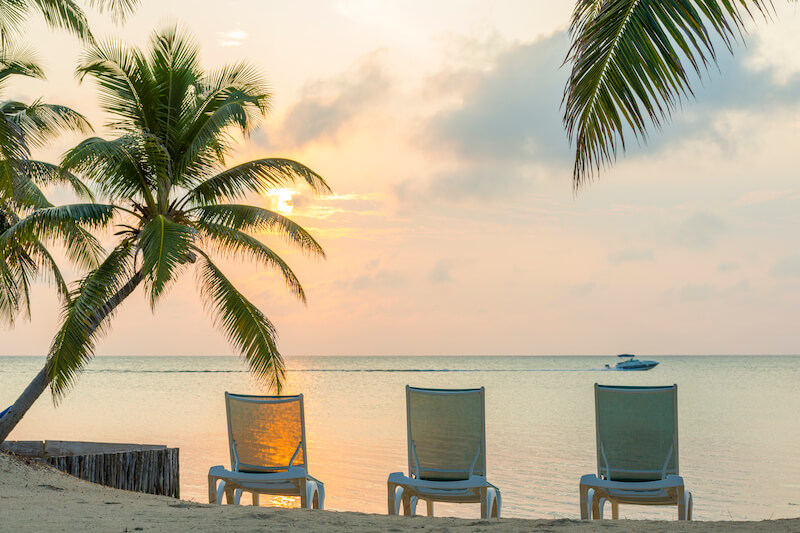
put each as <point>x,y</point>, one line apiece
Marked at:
<point>34,497</point>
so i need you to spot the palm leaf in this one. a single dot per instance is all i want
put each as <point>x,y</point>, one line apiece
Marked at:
<point>65,15</point>
<point>115,167</point>
<point>65,224</point>
<point>627,73</point>
<point>238,245</point>
<point>245,326</point>
<point>127,88</point>
<point>166,247</point>
<point>119,10</point>
<point>249,218</point>
<point>258,177</point>
<point>84,318</point>
<point>40,123</point>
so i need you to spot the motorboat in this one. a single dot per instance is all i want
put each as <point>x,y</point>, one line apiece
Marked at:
<point>632,363</point>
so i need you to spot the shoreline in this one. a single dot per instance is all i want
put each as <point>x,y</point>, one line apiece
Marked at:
<point>36,497</point>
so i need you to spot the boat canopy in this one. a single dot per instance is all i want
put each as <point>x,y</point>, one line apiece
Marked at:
<point>626,355</point>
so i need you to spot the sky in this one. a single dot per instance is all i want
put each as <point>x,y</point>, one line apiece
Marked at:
<point>453,228</point>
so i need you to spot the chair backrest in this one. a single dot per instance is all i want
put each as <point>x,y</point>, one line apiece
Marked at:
<point>637,432</point>
<point>266,433</point>
<point>446,433</point>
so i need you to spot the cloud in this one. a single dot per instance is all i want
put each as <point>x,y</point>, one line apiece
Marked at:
<point>232,38</point>
<point>441,273</point>
<point>381,279</point>
<point>631,254</point>
<point>326,106</point>
<point>739,84</point>
<point>510,110</point>
<point>697,231</point>
<point>499,120</point>
<point>695,293</point>
<point>787,267</point>
<point>728,267</point>
<point>583,289</point>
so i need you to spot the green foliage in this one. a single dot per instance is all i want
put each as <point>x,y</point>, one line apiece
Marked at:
<point>166,186</point>
<point>58,14</point>
<point>23,255</point>
<point>631,62</point>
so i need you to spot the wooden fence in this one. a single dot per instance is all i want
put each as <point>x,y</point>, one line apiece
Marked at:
<point>145,468</point>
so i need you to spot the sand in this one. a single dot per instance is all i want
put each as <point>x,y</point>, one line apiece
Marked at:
<point>35,497</point>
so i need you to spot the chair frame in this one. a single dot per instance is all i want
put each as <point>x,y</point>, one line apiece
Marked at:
<point>406,490</point>
<point>289,481</point>
<point>595,491</point>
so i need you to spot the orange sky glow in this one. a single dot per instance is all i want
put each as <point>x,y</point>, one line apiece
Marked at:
<point>453,228</point>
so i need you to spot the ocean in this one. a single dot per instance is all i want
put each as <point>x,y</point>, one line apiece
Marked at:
<point>738,423</point>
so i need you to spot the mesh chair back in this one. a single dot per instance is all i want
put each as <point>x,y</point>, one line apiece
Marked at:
<point>446,433</point>
<point>266,433</point>
<point>637,432</point>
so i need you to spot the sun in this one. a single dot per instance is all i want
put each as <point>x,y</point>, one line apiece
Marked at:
<point>282,200</point>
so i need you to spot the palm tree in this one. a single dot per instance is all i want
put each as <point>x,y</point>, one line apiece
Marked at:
<point>58,14</point>
<point>169,195</point>
<point>631,61</point>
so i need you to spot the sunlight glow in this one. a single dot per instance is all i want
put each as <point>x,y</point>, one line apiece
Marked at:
<point>282,200</point>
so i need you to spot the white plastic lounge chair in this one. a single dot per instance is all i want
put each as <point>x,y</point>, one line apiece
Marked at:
<point>637,452</point>
<point>446,452</point>
<point>267,437</point>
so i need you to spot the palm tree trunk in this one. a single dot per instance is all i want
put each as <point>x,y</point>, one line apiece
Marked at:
<point>36,387</point>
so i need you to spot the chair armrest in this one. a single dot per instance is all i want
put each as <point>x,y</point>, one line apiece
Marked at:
<point>672,481</point>
<point>474,482</point>
<point>292,473</point>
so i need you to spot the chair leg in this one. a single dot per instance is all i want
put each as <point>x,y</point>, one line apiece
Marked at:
<point>689,505</point>
<point>498,504</point>
<point>320,496</point>
<point>681,504</point>
<point>484,502</point>
<point>391,500</point>
<point>212,489</point>
<point>614,511</point>
<point>255,498</point>
<point>228,494</point>
<point>598,503</point>
<point>407,510</point>
<point>586,497</point>
<point>237,496</point>
<point>303,493</point>
<point>429,507</point>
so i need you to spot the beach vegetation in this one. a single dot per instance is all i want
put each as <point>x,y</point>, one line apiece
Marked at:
<point>162,185</point>
<point>57,14</point>
<point>633,63</point>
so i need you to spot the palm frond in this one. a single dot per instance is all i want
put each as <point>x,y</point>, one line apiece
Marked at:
<point>238,245</point>
<point>40,123</point>
<point>65,224</point>
<point>258,177</point>
<point>627,72</point>
<point>119,10</point>
<point>243,323</point>
<point>46,174</point>
<point>84,318</point>
<point>249,218</point>
<point>65,15</point>
<point>17,61</point>
<point>166,248</point>
<point>115,167</point>
<point>174,59</point>
<point>126,85</point>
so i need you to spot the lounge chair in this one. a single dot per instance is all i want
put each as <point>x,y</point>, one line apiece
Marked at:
<point>446,453</point>
<point>267,437</point>
<point>637,452</point>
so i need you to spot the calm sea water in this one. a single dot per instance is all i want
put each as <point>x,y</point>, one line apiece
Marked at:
<point>738,416</point>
